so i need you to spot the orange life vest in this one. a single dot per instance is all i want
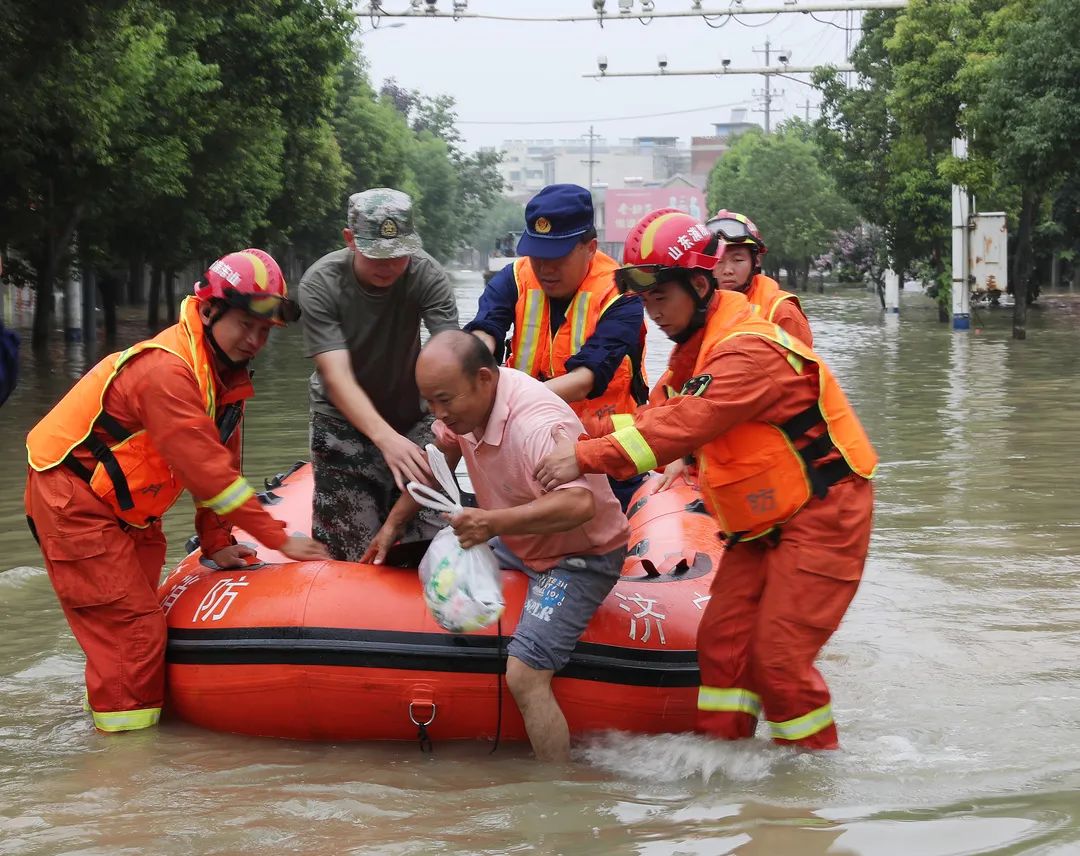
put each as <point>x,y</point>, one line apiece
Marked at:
<point>536,352</point>
<point>765,295</point>
<point>758,475</point>
<point>131,477</point>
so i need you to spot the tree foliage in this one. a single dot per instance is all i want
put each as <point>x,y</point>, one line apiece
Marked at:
<point>167,133</point>
<point>779,183</point>
<point>1001,73</point>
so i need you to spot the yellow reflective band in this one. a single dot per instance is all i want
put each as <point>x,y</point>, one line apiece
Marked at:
<point>796,362</point>
<point>633,443</point>
<point>577,321</point>
<point>803,726</point>
<point>231,498</point>
<point>671,392</point>
<point>127,720</point>
<point>733,699</point>
<point>622,420</point>
<point>534,310</point>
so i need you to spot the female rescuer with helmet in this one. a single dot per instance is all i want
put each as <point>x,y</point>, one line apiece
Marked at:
<point>785,469</point>
<point>740,270</point>
<point>117,451</point>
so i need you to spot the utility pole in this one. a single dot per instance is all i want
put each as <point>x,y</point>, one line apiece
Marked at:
<point>806,105</point>
<point>768,93</point>
<point>592,137</point>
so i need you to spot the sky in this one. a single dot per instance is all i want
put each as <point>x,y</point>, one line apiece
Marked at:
<point>504,74</point>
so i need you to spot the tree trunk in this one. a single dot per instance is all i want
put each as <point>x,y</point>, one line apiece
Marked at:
<point>109,286</point>
<point>170,296</point>
<point>792,277</point>
<point>54,247</point>
<point>136,294</point>
<point>1022,265</point>
<point>153,305</point>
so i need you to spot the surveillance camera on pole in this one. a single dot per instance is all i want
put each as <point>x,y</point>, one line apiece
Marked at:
<point>626,7</point>
<point>725,63</point>
<point>601,63</point>
<point>661,61</point>
<point>431,4</point>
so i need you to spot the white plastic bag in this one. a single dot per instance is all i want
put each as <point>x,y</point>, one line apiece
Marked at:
<point>462,588</point>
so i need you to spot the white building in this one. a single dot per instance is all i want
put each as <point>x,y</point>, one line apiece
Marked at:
<point>529,165</point>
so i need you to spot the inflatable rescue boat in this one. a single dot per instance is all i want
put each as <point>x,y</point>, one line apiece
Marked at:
<point>345,651</point>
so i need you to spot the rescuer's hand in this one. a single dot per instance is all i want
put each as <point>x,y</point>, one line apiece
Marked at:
<point>300,548</point>
<point>232,556</point>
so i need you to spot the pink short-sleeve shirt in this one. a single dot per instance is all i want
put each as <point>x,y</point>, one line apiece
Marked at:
<point>519,434</point>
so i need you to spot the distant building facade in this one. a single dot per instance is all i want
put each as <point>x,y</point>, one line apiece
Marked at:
<point>528,165</point>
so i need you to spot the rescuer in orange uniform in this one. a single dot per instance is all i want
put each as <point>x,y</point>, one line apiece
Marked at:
<point>785,469</point>
<point>740,270</point>
<point>117,451</point>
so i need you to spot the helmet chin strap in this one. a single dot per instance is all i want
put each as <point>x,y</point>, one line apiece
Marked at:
<point>219,353</point>
<point>701,309</point>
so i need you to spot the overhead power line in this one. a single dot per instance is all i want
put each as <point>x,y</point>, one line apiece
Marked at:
<point>608,119</point>
<point>419,9</point>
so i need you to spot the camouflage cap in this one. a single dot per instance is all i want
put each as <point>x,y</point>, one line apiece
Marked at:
<point>382,225</point>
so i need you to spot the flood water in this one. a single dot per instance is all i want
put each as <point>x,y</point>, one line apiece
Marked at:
<point>956,675</point>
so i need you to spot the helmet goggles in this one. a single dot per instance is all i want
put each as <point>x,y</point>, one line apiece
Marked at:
<point>638,279</point>
<point>269,307</point>
<point>732,231</point>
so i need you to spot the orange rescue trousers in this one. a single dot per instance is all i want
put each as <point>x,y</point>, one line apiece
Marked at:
<point>774,605</point>
<point>106,578</point>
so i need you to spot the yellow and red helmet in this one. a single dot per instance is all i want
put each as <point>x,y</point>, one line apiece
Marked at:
<point>252,281</point>
<point>663,245</point>
<point>734,229</point>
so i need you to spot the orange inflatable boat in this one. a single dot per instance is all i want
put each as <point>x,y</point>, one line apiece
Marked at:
<point>344,651</point>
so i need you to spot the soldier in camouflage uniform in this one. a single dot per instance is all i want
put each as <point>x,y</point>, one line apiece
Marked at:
<point>362,308</point>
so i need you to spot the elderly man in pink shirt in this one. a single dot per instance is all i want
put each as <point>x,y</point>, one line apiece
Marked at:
<point>570,541</point>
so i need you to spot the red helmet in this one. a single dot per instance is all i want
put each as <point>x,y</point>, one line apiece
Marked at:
<point>663,241</point>
<point>736,229</point>
<point>250,280</point>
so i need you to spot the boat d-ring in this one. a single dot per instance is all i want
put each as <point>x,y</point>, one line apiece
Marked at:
<point>422,725</point>
<point>430,719</point>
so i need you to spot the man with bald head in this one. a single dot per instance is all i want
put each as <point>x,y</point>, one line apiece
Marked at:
<point>571,541</point>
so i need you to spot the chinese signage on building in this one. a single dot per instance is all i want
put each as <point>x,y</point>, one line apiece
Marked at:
<point>623,208</point>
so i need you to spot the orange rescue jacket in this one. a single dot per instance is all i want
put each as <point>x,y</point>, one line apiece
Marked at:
<point>131,476</point>
<point>536,352</point>
<point>765,295</point>
<point>758,475</point>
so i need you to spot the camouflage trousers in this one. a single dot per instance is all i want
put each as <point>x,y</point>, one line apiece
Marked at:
<point>355,490</point>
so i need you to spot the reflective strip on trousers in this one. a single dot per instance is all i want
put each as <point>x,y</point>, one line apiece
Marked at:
<point>729,700</point>
<point>127,720</point>
<point>622,420</point>
<point>231,498</point>
<point>803,726</point>
<point>639,451</point>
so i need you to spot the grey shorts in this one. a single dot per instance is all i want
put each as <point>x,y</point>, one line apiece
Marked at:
<point>354,490</point>
<point>559,604</point>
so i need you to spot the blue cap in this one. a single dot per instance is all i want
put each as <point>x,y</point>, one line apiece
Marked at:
<point>555,220</point>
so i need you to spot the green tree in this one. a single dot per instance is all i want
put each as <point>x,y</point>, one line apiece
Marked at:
<point>1029,111</point>
<point>758,177</point>
<point>503,217</point>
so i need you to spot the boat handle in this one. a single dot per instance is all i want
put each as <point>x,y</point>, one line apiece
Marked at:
<point>412,715</point>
